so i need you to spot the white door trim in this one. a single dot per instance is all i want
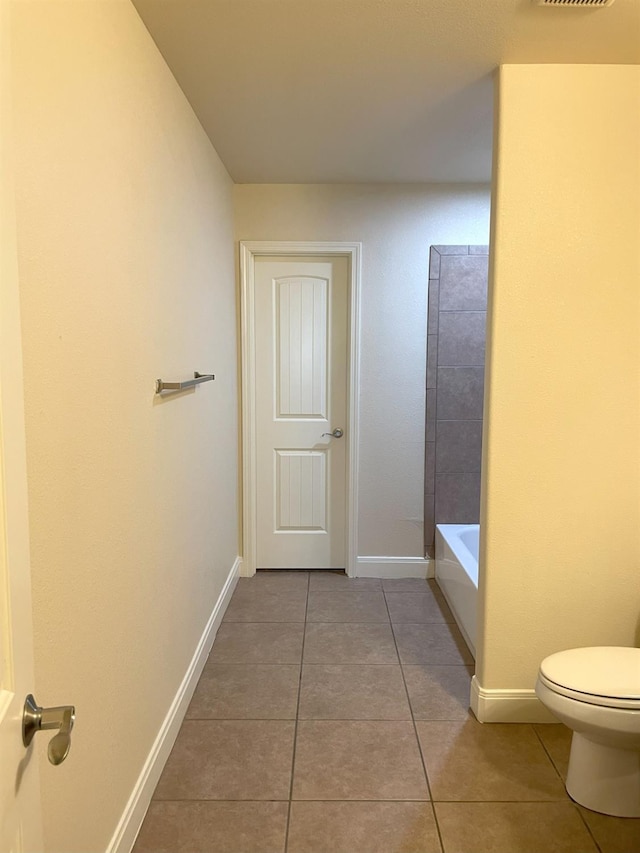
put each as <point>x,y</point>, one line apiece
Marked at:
<point>249,250</point>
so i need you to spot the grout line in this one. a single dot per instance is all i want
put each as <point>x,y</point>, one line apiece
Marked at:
<point>355,622</point>
<point>462,367</point>
<point>588,828</point>
<point>582,817</point>
<point>415,731</point>
<point>319,663</point>
<point>546,751</point>
<point>295,729</point>
<point>334,662</point>
<point>311,622</point>
<point>325,719</point>
<point>253,663</point>
<point>470,473</point>
<point>389,800</point>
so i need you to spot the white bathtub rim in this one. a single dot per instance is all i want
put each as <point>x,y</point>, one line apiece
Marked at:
<point>455,578</point>
<point>451,535</point>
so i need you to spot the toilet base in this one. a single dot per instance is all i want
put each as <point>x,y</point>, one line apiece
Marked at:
<point>603,778</point>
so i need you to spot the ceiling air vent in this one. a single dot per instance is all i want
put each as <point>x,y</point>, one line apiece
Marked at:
<point>574,2</point>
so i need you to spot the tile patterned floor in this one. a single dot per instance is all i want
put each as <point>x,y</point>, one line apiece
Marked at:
<point>332,717</point>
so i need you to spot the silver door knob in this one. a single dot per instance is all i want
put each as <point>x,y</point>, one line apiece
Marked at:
<point>337,433</point>
<point>35,719</point>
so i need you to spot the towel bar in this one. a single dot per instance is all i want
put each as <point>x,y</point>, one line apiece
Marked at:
<point>198,378</point>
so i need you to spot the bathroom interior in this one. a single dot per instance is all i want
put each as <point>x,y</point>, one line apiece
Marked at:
<point>500,346</point>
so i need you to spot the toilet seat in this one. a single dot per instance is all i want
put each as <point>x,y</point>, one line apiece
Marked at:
<point>603,675</point>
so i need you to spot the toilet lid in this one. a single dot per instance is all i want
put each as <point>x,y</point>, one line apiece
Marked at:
<point>596,674</point>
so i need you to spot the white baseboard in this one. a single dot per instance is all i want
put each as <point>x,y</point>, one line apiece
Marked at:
<point>507,706</point>
<point>129,824</point>
<point>394,567</point>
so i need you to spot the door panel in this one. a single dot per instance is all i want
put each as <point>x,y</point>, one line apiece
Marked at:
<point>301,490</point>
<point>301,393</point>
<point>301,343</point>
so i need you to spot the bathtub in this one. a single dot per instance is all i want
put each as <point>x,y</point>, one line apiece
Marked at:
<point>457,574</point>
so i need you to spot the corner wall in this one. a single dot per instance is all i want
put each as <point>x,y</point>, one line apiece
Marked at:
<point>396,225</point>
<point>124,215</point>
<point>560,541</point>
<point>456,335</point>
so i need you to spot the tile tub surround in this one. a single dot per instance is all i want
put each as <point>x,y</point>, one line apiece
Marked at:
<point>456,332</point>
<point>356,737</point>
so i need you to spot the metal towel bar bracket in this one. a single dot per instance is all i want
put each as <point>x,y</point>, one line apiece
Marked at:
<point>198,378</point>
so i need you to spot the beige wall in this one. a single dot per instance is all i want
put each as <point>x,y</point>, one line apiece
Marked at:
<point>560,551</point>
<point>396,225</point>
<point>125,237</point>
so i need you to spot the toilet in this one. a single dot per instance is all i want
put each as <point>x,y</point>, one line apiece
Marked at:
<point>596,693</point>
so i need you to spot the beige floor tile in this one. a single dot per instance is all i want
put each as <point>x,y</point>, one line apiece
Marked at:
<point>289,584</point>
<point>357,761</point>
<point>343,692</point>
<point>431,643</point>
<point>229,760</point>
<point>349,643</point>
<point>405,585</point>
<point>557,741</point>
<point>258,643</point>
<point>334,581</point>
<point>471,761</point>
<point>439,692</point>
<point>513,828</point>
<point>417,607</point>
<point>363,828</point>
<point>246,691</point>
<point>247,606</point>
<point>613,834</point>
<point>361,606</point>
<point>200,827</point>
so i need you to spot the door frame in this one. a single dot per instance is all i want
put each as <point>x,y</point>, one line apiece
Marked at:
<point>20,775</point>
<point>249,251</point>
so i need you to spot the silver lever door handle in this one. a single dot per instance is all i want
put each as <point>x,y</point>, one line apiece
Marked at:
<point>337,433</point>
<point>35,719</point>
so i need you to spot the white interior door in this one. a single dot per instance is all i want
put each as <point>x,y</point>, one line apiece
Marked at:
<point>20,822</point>
<point>301,322</point>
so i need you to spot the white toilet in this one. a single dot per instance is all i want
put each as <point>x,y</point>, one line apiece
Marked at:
<point>596,693</point>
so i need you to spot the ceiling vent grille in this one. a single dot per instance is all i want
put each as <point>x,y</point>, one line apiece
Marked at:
<point>574,2</point>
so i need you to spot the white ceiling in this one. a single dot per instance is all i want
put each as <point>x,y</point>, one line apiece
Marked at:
<point>327,91</point>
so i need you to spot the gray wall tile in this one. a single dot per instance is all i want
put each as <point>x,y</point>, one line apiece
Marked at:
<point>432,322</point>
<point>460,393</point>
<point>452,250</point>
<point>456,328</point>
<point>459,446</point>
<point>431,405</point>
<point>430,466</point>
<point>434,263</point>
<point>463,283</point>
<point>432,360</point>
<point>430,433</point>
<point>462,337</point>
<point>457,498</point>
<point>429,525</point>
